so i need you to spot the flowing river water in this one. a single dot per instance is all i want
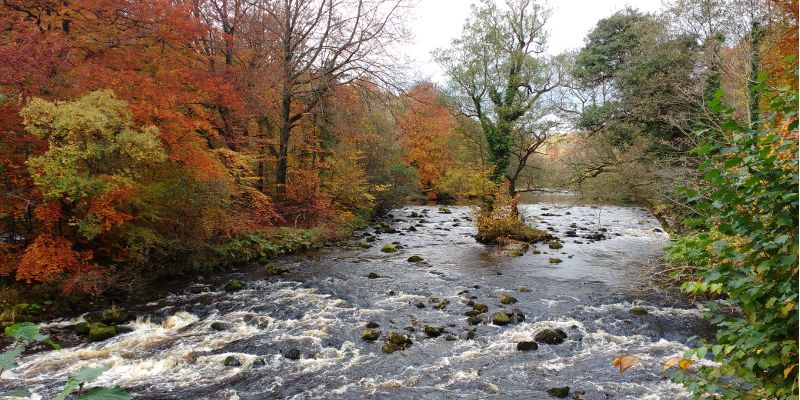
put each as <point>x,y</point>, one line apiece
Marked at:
<point>298,336</point>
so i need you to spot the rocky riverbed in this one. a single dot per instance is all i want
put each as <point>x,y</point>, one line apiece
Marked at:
<point>413,308</point>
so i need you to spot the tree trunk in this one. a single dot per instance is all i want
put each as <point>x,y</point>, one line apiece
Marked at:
<point>283,148</point>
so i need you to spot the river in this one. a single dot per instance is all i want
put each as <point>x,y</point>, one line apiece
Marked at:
<point>298,336</point>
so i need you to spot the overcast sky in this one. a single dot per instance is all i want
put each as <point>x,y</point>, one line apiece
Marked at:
<point>437,22</point>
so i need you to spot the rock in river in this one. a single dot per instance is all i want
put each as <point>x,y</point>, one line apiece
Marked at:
<point>550,336</point>
<point>507,299</point>
<point>560,392</point>
<point>232,361</point>
<point>527,345</point>
<point>500,318</point>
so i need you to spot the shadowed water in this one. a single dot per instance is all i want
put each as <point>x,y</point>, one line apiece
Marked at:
<point>320,309</point>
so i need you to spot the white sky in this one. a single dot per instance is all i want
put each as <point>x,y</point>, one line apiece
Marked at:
<point>437,22</point>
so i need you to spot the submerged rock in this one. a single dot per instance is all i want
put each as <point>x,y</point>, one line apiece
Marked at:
<point>373,275</point>
<point>550,336</point>
<point>415,258</point>
<point>474,320</point>
<point>527,346</point>
<point>372,325</point>
<point>554,260</point>
<point>559,392</point>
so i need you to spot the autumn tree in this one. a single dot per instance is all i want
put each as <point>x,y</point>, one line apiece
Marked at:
<point>317,45</point>
<point>499,73</point>
<point>426,126</point>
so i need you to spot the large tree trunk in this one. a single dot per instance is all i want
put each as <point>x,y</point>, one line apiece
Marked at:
<point>283,147</point>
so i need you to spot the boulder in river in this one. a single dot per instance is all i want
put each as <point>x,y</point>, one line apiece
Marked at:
<point>389,248</point>
<point>372,325</point>
<point>527,345</point>
<point>638,310</point>
<point>396,341</point>
<point>507,299</point>
<point>554,260</point>
<point>221,326</point>
<point>555,245</point>
<point>82,328</point>
<point>550,336</point>
<point>415,258</point>
<point>500,318</point>
<point>292,354</point>
<point>480,307</point>
<point>232,361</point>
<point>233,285</point>
<point>373,275</point>
<point>432,331</point>
<point>559,392</point>
<point>99,332</point>
<point>474,320</point>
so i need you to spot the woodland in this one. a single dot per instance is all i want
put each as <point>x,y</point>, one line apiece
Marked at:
<point>149,141</point>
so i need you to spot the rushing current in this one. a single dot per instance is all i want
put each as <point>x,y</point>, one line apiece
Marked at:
<point>298,336</point>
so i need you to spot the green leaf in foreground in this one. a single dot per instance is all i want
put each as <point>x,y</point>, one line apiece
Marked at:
<point>26,330</point>
<point>85,375</point>
<point>103,393</point>
<point>8,359</point>
<point>17,393</point>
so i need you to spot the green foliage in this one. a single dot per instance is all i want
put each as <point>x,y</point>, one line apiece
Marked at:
<point>268,245</point>
<point>93,150</point>
<point>27,333</point>
<point>88,375</point>
<point>745,248</point>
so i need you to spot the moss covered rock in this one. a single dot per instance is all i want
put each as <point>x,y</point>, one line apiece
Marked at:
<point>82,328</point>
<point>233,285</point>
<point>99,332</point>
<point>507,299</point>
<point>415,258</point>
<point>638,311</point>
<point>555,244</point>
<point>559,392</point>
<point>389,248</point>
<point>527,346</point>
<point>432,331</point>
<point>370,334</point>
<point>550,336</point>
<point>500,318</point>
<point>480,307</point>
<point>554,260</point>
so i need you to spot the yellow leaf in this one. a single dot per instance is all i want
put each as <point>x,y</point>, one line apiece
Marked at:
<point>624,362</point>
<point>671,362</point>
<point>788,371</point>
<point>684,363</point>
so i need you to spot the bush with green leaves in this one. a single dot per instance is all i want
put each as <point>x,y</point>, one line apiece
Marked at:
<point>744,245</point>
<point>26,334</point>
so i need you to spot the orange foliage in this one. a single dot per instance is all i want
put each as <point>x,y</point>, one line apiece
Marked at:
<point>49,258</point>
<point>426,126</point>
